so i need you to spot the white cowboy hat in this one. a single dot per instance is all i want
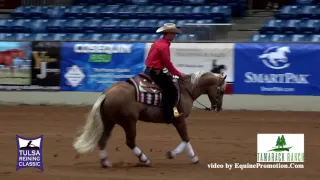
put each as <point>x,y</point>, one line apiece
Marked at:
<point>168,28</point>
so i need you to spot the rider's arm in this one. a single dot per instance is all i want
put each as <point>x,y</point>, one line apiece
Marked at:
<point>165,53</point>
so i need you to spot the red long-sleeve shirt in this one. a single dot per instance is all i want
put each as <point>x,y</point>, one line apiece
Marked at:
<point>159,57</point>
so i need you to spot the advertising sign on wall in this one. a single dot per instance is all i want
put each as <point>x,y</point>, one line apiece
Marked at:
<point>46,64</point>
<point>94,67</point>
<point>277,69</point>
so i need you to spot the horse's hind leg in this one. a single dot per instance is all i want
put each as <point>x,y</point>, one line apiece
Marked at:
<point>108,126</point>
<point>130,131</point>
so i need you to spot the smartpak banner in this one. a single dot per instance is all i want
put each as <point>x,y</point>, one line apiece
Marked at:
<point>94,67</point>
<point>277,69</point>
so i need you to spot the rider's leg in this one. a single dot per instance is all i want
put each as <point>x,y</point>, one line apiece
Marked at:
<point>166,84</point>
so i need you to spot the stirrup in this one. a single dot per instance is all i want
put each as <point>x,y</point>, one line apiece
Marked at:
<point>176,112</point>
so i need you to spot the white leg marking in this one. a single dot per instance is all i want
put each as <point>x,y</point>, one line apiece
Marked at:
<point>191,153</point>
<point>142,157</point>
<point>179,149</point>
<point>104,155</point>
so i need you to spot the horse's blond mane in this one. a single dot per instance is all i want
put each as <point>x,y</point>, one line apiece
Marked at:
<point>197,75</point>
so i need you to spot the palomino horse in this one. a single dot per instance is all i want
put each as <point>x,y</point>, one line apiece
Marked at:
<point>7,57</point>
<point>125,103</point>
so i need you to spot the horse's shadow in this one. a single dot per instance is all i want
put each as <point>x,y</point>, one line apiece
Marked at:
<point>134,165</point>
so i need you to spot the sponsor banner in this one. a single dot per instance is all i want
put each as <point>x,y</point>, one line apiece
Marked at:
<point>46,64</point>
<point>210,57</point>
<point>277,69</point>
<point>15,65</point>
<point>94,67</point>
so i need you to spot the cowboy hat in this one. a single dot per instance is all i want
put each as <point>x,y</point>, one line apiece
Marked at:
<point>168,28</point>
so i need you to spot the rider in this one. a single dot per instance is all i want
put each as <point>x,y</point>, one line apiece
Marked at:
<point>158,59</point>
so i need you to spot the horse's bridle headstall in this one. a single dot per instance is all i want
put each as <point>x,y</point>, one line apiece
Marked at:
<point>220,92</point>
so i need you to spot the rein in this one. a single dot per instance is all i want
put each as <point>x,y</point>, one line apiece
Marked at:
<point>205,107</point>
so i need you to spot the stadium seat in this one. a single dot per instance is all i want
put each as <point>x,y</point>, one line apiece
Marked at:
<point>128,25</point>
<point>288,12</point>
<point>8,36</point>
<point>315,38</point>
<point>280,38</point>
<point>144,12</point>
<point>91,12</point>
<point>271,27</point>
<point>74,12</point>
<point>129,37</point>
<point>115,37</point>
<point>291,26</point>
<point>110,25</point>
<point>24,37</point>
<point>56,12</point>
<point>56,25</point>
<point>77,36</point>
<point>5,25</point>
<point>43,37</point>
<point>39,25</point>
<point>194,2</point>
<point>21,25</point>
<point>92,25</point>
<point>307,12</point>
<point>202,12</point>
<point>260,38</point>
<point>221,14</point>
<point>310,26</point>
<point>304,2</point>
<point>138,2</point>
<point>74,26</point>
<point>20,12</point>
<point>126,11</point>
<point>62,37</point>
<point>147,26</point>
<point>185,37</point>
<point>300,38</point>
<point>163,12</point>
<point>108,11</point>
<point>38,12</point>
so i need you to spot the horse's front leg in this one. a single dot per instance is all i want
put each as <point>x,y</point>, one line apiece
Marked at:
<point>185,144</point>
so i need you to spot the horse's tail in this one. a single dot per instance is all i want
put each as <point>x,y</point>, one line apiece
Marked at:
<point>92,130</point>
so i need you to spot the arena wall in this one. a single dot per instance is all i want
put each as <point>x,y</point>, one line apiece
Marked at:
<point>231,102</point>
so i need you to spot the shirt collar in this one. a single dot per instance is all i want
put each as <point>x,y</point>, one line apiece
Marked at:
<point>166,40</point>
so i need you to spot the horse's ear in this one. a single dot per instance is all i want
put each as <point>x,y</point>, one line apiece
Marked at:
<point>225,77</point>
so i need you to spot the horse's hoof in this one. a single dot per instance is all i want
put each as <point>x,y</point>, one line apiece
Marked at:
<point>144,164</point>
<point>169,155</point>
<point>195,160</point>
<point>105,163</point>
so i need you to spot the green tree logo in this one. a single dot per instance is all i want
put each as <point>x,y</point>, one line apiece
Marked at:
<point>280,145</point>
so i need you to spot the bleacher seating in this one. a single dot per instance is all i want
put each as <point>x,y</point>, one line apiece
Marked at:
<point>112,19</point>
<point>294,23</point>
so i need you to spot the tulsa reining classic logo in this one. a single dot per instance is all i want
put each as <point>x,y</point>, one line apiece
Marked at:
<point>29,152</point>
<point>280,148</point>
<point>275,57</point>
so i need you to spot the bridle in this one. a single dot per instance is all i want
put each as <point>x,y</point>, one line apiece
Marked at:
<point>220,92</point>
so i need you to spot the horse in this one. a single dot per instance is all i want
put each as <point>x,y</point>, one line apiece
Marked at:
<point>278,56</point>
<point>138,98</point>
<point>7,57</point>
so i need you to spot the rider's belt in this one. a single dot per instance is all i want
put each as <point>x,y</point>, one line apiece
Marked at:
<point>157,71</point>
